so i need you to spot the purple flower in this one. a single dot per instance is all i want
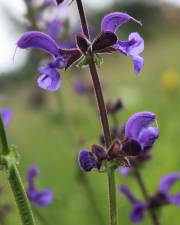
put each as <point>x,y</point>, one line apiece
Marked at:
<point>40,198</point>
<point>135,43</point>
<point>62,58</point>
<point>137,128</point>
<point>138,208</point>
<point>165,185</point>
<point>87,160</point>
<point>6,115</point>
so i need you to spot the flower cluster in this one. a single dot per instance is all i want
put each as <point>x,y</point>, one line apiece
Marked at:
<point>161,198</point>
<point>139,137</point>
<point>40,198</point>
<point>105,42</point>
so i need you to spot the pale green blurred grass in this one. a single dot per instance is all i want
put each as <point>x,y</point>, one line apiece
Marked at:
<point>53,146</point>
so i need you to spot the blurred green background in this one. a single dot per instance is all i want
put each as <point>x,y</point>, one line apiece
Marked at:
<point>47,127</point>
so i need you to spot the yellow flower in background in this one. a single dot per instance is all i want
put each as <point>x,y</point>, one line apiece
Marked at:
<point>170,80</point>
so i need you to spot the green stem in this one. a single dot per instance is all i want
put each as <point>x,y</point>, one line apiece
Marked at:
<point>112,197</point>
<point>16,183</point>
<point>103,116</point>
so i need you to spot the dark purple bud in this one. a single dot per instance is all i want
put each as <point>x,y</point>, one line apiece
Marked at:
<point>131,147</point>
<point>99,151</point>
<point>39,40</point>
<point>103,40</point>
<point>82,42</point>
<point>114,107</point>
<point>115,150</point>
<point>87,160</point>
<point>71,55</point>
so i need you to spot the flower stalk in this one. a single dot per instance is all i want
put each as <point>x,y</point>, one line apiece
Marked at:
<point>8,161</point>
<point>103,117</point>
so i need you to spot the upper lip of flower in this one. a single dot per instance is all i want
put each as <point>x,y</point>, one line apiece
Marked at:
<point>137,128</point>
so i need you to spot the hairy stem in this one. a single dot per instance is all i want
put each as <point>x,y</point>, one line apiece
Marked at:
<point>16,183</point>
<point>103,117</point>
<point>146,196</point>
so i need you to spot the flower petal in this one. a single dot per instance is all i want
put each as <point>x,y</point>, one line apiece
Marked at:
<point>87,160</point>
<point>148,136</point>
<point>133,46</point>
<point>41,198</point>
<point>50,80</point>
<point>137,122</point>
<point>112,21</point>
<point>6,114</point>
<point>125,190</point>
<point>167,181</point>
<point>39,40</point>
<point>33,171</point>
<point>137,213</point>
<point>175,199</point>
<point>138,62</point>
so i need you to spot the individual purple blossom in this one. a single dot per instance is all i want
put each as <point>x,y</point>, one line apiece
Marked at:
<point>138,208</point>
<point>161,198</point>
<point>62,58</point>
<point>131,47</point>
<point>6,115</point>
<point>137,128</point>
<point>50,80</point>
<point>41,198</point>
